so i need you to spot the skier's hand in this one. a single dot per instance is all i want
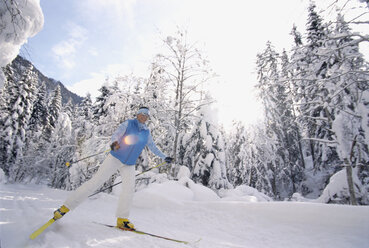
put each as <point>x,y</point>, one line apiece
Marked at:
<point>115,146</point>
<point>168,160</point>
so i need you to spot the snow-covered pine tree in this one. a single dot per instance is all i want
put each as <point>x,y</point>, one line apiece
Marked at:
<point>236,156</point>
<point>55,106</point>
<point>6,95</point>
<point>61,148</point>
<point>296,36</point>
<point>289,129</point>
<point>100,106</point>
<point>299,82</point>
<point>326,90</point>
<point>316,32</point>
<point>34,150</point>
<point>260,157</point>
<point>85,108</point>
<point>315,111</point>
<point>280,123</point>
<point>19,109</point>
<point>83,127</point>
<point>348,81</point>
<point>82,123</point>
<point>69,109</point>
<point>54,148</point>
<point>49,154</point>
<point>39,116</point>
<point>308,69</point>
<point>203,152</point>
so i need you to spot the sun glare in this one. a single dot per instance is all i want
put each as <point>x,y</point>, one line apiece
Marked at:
<point>130,139</point>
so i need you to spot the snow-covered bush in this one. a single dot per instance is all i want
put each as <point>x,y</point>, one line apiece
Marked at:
<point>337,189</point>
<point>244,193</point>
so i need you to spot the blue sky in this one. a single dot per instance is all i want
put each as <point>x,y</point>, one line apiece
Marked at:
<point>80,38</point>
<point>82,42</point>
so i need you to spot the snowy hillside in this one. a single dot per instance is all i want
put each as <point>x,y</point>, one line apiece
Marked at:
<point>181,210</point>
<point>21,66</point>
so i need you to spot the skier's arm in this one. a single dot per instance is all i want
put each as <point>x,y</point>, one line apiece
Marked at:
<point>118,134</point>
<point>154,149</point>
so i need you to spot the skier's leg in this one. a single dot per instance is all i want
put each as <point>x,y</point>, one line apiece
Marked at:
<point>108,168</point>
<point>128,175</point>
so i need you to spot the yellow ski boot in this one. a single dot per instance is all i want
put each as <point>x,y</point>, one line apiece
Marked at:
<point>60,212</point>
<point>125,224</point>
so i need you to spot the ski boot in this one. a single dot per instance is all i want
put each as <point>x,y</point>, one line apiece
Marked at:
<point>60,212</point>
<point>125,224</point>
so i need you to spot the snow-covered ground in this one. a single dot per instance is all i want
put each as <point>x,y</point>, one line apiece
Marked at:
<point>181,210</point>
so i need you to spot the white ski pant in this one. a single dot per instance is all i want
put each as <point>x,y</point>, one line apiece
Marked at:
<point>106,170</point>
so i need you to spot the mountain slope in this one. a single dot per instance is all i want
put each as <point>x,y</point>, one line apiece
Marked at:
<point>51,84</point>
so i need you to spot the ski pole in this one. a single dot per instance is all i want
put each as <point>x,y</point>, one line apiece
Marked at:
<point>121,181</point>
<point>93,155</point>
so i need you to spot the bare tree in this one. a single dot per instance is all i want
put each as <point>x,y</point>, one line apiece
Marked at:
<point>186,71</point>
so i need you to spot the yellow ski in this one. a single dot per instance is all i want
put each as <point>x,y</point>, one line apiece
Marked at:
<point>41,229</point>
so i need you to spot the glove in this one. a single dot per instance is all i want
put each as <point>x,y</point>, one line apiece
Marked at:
<point>115,146</point>
<point>168,160</point>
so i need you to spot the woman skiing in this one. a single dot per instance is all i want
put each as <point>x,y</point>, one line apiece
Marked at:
<point>127,143</point>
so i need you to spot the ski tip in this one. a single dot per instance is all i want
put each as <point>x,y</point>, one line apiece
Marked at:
<point>33,236</point>
<point>36,233</point>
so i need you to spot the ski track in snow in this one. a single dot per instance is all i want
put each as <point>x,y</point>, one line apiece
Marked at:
<point>220,224</point>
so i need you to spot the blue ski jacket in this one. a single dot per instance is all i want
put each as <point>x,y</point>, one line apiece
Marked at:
<point>132,137</point>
